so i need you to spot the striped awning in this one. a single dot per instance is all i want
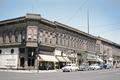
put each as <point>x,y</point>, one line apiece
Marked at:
<point>60,59</point>
<point>67,59</point>
<point>47,58</point>
<point>92,57</point>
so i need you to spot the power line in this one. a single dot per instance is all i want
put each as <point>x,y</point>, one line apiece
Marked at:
<point>109,30</point>
<point>102,26</point>
<point>77,11</point>
<point>107,25</point>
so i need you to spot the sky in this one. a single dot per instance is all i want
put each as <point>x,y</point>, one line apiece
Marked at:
<point>104,15</point>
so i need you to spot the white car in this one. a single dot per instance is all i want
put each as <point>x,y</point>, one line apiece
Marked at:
<point>70,68</point>
<point>94,67</point>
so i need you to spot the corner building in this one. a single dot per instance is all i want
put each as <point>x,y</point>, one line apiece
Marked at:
<point>32,42</point>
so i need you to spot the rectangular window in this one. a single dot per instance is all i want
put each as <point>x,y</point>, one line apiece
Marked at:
<point>45,40</point>
<point>0,51</point>
<point>29,37</point>
<point>50,41</point>
<point>22,50</point>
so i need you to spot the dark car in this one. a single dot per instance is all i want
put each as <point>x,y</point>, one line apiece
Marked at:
<point>105,66</point>
<point>102,66</point>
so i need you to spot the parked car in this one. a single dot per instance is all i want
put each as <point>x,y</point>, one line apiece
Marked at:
<point>102,66</point>
<point>94,67</point>
<point>84,67</point>
<point>108,66</point>
<point>70,68</point>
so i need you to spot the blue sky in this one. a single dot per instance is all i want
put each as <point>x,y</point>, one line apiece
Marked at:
<point>104,15</point>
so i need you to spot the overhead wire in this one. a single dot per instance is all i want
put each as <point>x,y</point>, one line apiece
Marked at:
<point>111,30</point>
<point>106,25</point>
<point>77,11</point>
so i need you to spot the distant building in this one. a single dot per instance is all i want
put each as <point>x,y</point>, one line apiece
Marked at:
<point>31,41</point>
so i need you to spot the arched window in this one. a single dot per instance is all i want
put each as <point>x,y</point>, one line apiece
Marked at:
<point>19,37</point>
<point>16,35</point>
<point>4,34</point>
<point>7,38</point>
<point>12,37</point>
<point>12,51</point>
<point>1,38</point>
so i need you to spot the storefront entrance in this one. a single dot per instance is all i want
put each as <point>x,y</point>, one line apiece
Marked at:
<point>31,57</point>
<point>22,62</point>
<point>46,65</point>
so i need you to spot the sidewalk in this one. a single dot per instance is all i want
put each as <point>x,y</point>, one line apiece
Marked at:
<point>30,71</point>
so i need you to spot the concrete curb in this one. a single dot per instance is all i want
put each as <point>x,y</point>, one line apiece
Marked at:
<point>31,71</point>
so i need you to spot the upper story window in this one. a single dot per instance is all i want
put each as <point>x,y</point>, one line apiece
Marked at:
<point>29,37</point>
<point>23,36</point>
<point>50,41</point>
<point>12,51</point>
<point>15,34</point>
<point>10,35</point>
<point>35,37</point>
<point>4,35</point>
<point>51,33</point>
<point>22,50</point>
<point>45,39</point>
<point>40,33</point>
<point>46,32</point>
<point>20,36</point>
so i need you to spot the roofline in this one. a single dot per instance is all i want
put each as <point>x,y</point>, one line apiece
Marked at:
<point>12,20</point>
<point>74,29</point>
<point>108,41</point>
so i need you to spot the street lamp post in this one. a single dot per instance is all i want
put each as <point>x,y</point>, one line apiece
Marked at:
<point>38,56</point>
<point>37,60</point>
<point>38,50</point>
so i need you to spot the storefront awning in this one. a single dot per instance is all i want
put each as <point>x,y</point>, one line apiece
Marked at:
<point>48,58</point>
<point>100,60</point>
<point>91,57</point>
<point>67,59</point>
<point>60,59</point>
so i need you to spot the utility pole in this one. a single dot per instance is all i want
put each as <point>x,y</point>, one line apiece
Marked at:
<point>88,20</point>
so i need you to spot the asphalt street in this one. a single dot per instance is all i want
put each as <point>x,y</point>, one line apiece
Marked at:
<point>110,74</point>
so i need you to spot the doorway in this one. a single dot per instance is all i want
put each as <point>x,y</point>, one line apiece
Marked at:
<point>31,57</point>
<point>22,62</point>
